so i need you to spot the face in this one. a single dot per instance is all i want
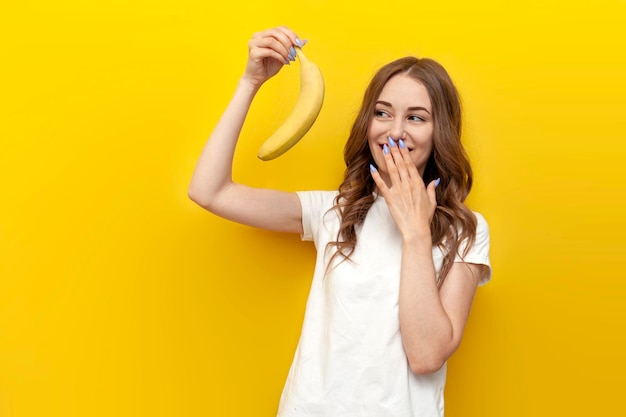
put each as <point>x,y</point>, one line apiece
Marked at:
<point>403,110</point>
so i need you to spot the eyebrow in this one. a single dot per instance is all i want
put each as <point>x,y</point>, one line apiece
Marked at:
<point>384,103</point>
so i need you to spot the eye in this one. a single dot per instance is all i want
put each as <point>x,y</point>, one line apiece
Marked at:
<point>416,118</point>
<point>381,113</point>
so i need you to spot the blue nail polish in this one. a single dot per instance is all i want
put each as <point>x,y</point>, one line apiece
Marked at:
<point>372,168</point>
<point>292,51</point>
<point>287,62</point>
<point>437,181</point>
<point>392,142</point>
<point>402,145</point>
<point>299,42</point>
<point>385,149</point>
<point>291,58</point>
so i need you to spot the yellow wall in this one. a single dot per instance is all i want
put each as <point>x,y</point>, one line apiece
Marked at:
<point>118,296</point>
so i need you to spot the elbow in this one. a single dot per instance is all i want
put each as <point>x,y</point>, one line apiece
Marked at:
<point>199,198</point>
<point>426,365</point>
<point>428,355</point>
<point>208,194</point>
<point>429,360</point>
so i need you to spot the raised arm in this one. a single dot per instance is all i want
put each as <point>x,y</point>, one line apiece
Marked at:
<point>211,185</point>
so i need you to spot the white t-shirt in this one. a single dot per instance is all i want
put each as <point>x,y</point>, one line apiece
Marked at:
<point>350,361</point>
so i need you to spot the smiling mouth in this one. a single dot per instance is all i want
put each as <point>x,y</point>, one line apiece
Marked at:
<point>382,148</point>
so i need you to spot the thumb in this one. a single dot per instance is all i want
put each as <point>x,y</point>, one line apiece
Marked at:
<point>430,191</point>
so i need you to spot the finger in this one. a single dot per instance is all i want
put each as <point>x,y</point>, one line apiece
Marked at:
<point>406,156</point>
<point>283,35</point>
<point>294,40</point>
<point>392,169</point>
<point>378,180</point>
<point>279,32</point>
<point>268,47</point>
<point>401,163</point>
<point>288,39</point>
<point>431,191</point>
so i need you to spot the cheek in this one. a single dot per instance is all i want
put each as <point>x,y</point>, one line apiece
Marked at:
<point>428,146</point>
<point>372,142</point>
<point>426,141</point>
<point>376,128</point>
<point>377,155</point>
<point>423,151</point>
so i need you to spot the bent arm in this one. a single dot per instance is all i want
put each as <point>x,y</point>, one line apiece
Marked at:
<point>211,185</point>
<point>432,319</point>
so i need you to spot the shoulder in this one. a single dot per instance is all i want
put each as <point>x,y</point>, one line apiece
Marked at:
<point>481,222</point>
<point>478,253</point>
<point>315,206</point>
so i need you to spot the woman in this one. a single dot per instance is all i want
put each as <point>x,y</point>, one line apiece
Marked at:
<point>399,254</point>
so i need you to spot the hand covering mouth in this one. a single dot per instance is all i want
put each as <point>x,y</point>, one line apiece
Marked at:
<point>383,144</point>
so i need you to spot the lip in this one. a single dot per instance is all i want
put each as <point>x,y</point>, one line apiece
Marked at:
<point>383,144</point>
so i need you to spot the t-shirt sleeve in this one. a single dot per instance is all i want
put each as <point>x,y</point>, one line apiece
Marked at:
<point>306,202</point>
<point>314,206</point>
<point>479,252</point>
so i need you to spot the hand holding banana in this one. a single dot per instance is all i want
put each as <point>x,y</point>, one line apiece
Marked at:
<point>304,112</point>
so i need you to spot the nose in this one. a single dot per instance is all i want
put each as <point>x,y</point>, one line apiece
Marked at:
<point>397,130</point>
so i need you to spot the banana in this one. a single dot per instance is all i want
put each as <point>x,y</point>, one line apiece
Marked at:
<point>303,114</point>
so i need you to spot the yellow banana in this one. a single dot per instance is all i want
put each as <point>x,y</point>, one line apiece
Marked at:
<point>303,115</point>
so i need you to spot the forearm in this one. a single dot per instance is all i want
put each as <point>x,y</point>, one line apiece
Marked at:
<point>213,171</point>
<point>427,331</point>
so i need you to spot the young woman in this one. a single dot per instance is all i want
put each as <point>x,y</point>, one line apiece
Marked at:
<point>399,254</point>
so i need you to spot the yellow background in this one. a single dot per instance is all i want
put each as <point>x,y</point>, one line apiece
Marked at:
<point>119,296</point>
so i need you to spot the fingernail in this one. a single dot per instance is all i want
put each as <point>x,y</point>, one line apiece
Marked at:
<point>372,168</point>
<point>392,142</point>
<point>385,149</point>
<point>292,51</point>
<point>402,145</point>
<point>437,181</point>
<point>287,62</point>
<point>299,42</point>
<point>291,58</point>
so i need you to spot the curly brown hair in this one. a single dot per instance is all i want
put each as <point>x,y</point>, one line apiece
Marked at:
<point>452,222</point>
